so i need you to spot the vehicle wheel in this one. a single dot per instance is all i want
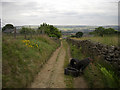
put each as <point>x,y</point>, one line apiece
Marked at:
<point>73,63</point>
<point>71,71</point>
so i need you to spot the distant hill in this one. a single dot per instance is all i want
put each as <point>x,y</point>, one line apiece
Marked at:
<point>83,28</point>
<point>31,26</point>
<point>73,28</point>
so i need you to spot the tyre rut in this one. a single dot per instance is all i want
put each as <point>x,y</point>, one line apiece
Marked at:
<point>52,73</point>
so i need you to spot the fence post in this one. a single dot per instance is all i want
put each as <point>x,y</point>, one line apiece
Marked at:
<point>25,34</point>
<point>15,32</point>
<point>31,34</point>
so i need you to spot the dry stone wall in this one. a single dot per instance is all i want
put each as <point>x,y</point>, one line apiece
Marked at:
<point>110,54</point>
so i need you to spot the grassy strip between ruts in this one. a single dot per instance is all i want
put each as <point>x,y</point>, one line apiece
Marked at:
<point>68,79</point>
<point>23,60</point>
<point>58,54</point>
<point>97,74</point>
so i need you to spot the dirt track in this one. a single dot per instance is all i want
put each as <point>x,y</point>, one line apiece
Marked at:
<point>52,73</point>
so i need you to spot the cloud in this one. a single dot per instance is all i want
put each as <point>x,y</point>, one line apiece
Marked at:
<point>90,12</point>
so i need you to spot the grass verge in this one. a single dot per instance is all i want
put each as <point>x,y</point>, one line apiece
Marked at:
<point>22,61</point>
<point>98,74</point>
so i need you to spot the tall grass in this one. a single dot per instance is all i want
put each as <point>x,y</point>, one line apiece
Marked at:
<point>108,40</point>
<point>90,72</point>
<point>21,63</point>
<point>101,76</point>
<point>109,77</point>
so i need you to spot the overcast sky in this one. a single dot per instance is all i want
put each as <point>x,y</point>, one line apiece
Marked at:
<point>60,12</point>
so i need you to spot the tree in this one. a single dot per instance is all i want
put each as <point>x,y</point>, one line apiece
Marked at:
<point>7,26</point>
<point>109,31</point>
<point>99,31</point>
<point>79,34</point>
<point>50,30</point>
<point>26,31</point>
<point>43,27</point>
<point>102,31</point>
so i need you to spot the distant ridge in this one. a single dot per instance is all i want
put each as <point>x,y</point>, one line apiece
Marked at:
<point>72,28</point>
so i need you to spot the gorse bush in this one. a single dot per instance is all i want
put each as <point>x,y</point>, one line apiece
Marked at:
<point>31,43</point>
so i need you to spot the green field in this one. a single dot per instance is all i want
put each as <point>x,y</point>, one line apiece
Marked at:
<point>108,40</point>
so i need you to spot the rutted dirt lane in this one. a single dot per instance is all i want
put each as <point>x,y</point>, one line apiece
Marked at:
<point>79,82</point>
<point>52,73</point>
